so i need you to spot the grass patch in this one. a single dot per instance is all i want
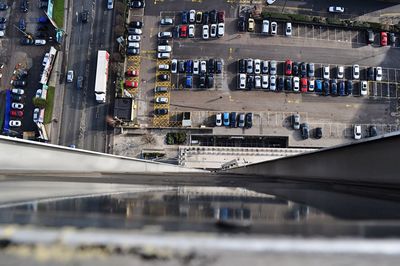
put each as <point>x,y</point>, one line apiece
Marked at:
<point>58,12</point>
<point>49,106</point>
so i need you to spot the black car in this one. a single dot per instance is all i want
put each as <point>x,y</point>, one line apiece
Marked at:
<point>163,77</point>
<point>249,120</point>
<point>175,32</point>
<point>24,6</point>
<point>161,111</point>
<point>84,16</point>
<point>326,87</point>
<point>371,73</point>
<point>163,42</point>
<point>42,28</point>
<point>303,69</point>
<point>43,4</point>
<point>2,26</point>
<point>210,81</point>
<point>242,66</point>
<point>281,84</point>
<point>373,131</point>
<point>349,87</point>
<point>250,82</point>
<point>174,66</point>
<point>137,4</point>
<point>318,133</point>
<point>206,17</point>
<point>136,24</point>
<point>3,6</point>
<point>3,20</point>
<point>26,41</point>
<point>288,85</point>
<point>211,63</point>
<point>181,66</point>
<point>334,89</point>
<point>305,130</point>
<point>392,38</point>
<point>213,16</point>
<point>132,51</point>
<point>218,67</point>
<point>19,83</point>
<point>242,24</point>
<point>370,37</point>
<point>232,119</point>
<point>202,82</point>
<point>295,69</point>
<point>17,98</point>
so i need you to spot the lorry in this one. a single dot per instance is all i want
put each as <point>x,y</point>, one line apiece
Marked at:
<point>100,87</point>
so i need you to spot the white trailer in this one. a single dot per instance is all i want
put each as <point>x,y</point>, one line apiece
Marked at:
<point>100,87</point>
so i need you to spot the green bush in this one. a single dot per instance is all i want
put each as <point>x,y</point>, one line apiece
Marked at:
<point>176,138</point>
<point>39,102</point>
<point>48,114</point>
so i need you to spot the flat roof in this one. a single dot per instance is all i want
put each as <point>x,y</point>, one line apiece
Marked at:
<point>123,108</point>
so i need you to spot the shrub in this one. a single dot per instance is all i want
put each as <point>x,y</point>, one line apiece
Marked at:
<point>39,102</point>
<point>176,138</point>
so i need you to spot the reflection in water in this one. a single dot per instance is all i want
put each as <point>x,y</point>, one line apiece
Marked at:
<point>210,209</point>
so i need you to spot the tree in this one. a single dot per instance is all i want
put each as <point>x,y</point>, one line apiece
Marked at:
<point>39,102</point>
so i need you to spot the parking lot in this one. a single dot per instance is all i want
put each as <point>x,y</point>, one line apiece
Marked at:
<point>322,46</point>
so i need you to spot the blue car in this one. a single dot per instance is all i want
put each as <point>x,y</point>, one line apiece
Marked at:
<point>185,17</point>
<point>318,85</point>
<point>349,87</point>
<point>326,87</point>
<point>334,87</point>
<point>233,119</point>
<point>225,119</point>
<point>342,91</point>
<point>189,66</point>
<point>189,82</point>
<point>22,25</point>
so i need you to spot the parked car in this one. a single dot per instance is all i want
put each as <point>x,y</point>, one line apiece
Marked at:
<point>364,88</point>
<point>163,67</point>
<point>356,71</point>
<point>250,82</point>
<point>318,85</point>
<point>295,68</point>
<point>265,67</point>
<point>272,82</point>
<point>221,16</point>
<point>70,76</point>
<point>357,132</point>
<point>265,27</point>
<point>132,51</point>
<point>241,121</point>
<point>384,40</point>
<point>183,31</point>
<point>288,31</point>
<point>162,100</point>
<point>205,32</point>
<point>174,66</point>
<point>203,66</point>
<point>17,91</point>
<point>233,119</point>
<point>349,87</point>
<point>192,16</point>
<point>196,67</point>
<point>225,119</point>
<point>303,84</point>
<point>371,73</point>
<point>213,30</point>
<point>132,73</point>
<point>257,81</point>
<point>249,66</point>
<point>264,81</point>
<point>165,34</point>
<point>342,88</point>
<point>163,55</point>
<point>305,130</point>
<point>318,133</point>
<point>373,131</point>
<point>250,24</point>
<point>17,98</point>
<point>16,113</point>
<point>164,48</point>
<point>288,67</point>
<point>131,84</point>
<point>199,17</point>
<point>189,66</point>
<point>242,66</point>
<point>161,111</point>
<point>221,29</point>
<point>288,85</point>
<point>191,31</point>
<point>296,84</point>
<point>210,81</point>
<point>136,24</point>
<point>336,9</point>
<point>218,119</point>
<point>184,17</point>
<point>26,41</point>
<point>311,85</point>
<point>21,24</point>
<point>311,70</point>
<point>36,115</point>
<point>296,121</point>
<point>206,18</point>
<point>303,69</point>
<point>274,28</point>
<point>137,4</point>
<point>163,77</point>
<point>326,87</point>
<point>242,24</point>
<point>378,74</point>
<point>249,120</point>
<point>370,37</point>
<point>18,106</point>
<point>40,42</point>
<point>160,89</point>
<point>189,82</point>
<point>281,84</point>
<point>257,66</point>
<point>213,16</point>
<point>340,72</point>
<point>392,38</point>
<point>134,31</point>
<point>326,71</point>
<point>134,38</point>
<point>15,123</point>
<point>334,87</point>
<point>273,67</point>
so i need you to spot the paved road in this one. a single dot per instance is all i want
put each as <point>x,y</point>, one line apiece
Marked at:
<point>83,122</point>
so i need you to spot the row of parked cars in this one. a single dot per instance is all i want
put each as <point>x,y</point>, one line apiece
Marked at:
<point>134,31</point>
<point>233,120</point>
<point>197,67</point>
<point>161,99</point>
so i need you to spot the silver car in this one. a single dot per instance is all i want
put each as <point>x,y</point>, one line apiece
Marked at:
<point>296,121</point>
<point>272,67</point>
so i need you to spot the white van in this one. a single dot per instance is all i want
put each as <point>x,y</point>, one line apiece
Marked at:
<point>265,27</point>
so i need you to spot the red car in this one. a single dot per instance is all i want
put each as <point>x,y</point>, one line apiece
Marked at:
<point>131,84</point>
<point>303,84</point>
<point>221,16</point>
<point>288,67</point>
<point>384,38</point>
<point>16,113</point>
<point>183,31</point>
<point>132,73</point>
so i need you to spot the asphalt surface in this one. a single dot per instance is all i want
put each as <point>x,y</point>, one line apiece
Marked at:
<point>83,122</point>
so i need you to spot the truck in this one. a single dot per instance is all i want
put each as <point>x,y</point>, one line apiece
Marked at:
<point>100,87</point>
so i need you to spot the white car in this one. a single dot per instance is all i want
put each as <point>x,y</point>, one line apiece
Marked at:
<point>340,72</point>
<point>336,9</point>
<point>270,2</point>
<point>264,81</point>
<point>221,29</point>
<point>70,76</point>
<point>134,38</point>
<point>15,123</point>
<point>242,81</point>
<point>38,93</point>
<point>17,91</point>
<point>192,16</point>
<point>174,66</point>
<point>364,88</point>
<point>18,106</point>
<point>167,21</point>
<point>134,45</point>
<point>45,59</point>
<point>205,32</point>
<point>257,66</point>
<point>218,119</point>
<point>288,31</point>
<point>191,31</point>
<point>378,74</point>
<point>249,66</point>
<point>162,100</point>
<point>2,33</point>
<point>272,82</point>
<point>213,30</point>
<point>196,67</point>
<point>165,34</point>
<point>40,42</point>
<point>265,27</point>
<point>272,67</point>
<point>203,66</point>
<point>296,84</point>
<point>357,131</point>
<point>164,48</point>
<point>36,113</point>
<point>274,28</point>
<point>163,55</point>
<point>311,85</point>
<point>257,81</point>
<point>163,67</point>
<point>356,71</point>
<point>326,71</point>
<point>136,31</point>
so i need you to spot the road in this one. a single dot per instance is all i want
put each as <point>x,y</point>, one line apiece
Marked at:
<point>83,121</point>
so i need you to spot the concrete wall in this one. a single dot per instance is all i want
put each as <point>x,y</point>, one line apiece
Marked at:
<point>22,156</point>
<point>376,160</point>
